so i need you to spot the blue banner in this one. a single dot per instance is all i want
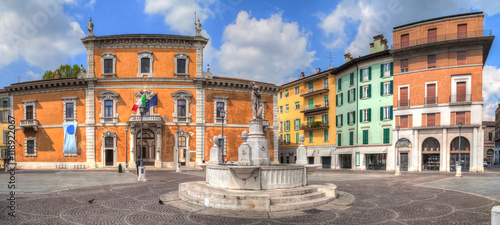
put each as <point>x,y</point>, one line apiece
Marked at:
<point>153,101</point>
<point>69,138</point>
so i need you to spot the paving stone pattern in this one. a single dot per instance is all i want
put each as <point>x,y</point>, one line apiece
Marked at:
<point>382,200</point>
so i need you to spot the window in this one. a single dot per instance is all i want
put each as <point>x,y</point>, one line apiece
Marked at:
<point>325,83</point>
<point>339,139</point>
<point>281,139</point>
<point>286,93</point>
<point>351,138</point>
<point>365,115</point>
<point>29,112</point>
<point>340,99</point>
<point>461,91</point>
<point>287,108</point>
<point>281,94</point>
<point>351,79</point>
<point>351,95</point>
<point>386,88</point>
<point>404,65</point>
<point>325,101</point>
<point>387,136</point>
<point>296,124</point>
<point>325,135</point>
<point>220,108</point>
<point>220,104</point>
<point>108,63</point>
<point>4,116</point>
<point>5,102</point>
<point>490,137</point>
<point>310,103</point>
<point>431,94</point>
<point>181,64</point>
<point>339,84</point>
<point>297,90</point>
<point>30,146</point>
<point>365,137</point>
<point>181,100</point>
<point>181,108</point>
<point>297,105</point>
<point>310,87</point>
<point>108,100</point>
<point>5,136</point>
<point>281,126</point>
<point>365,91</point>
<point>310,119</point>
<point>403,121</point>
<point>386,70</point>
<point>351,117</point>
<point>324,118</point>
<point>386,113</point>
<point>145,59</point>
<point>462,31</point>
<point>281,109</point>
<point>108,108</point>
<point>461,58</point>
<point>366,74</point>
<point>431,61</point>
<point>311,136</point>
<point>432,35</point>
<point>460,117</point>
<point>287,139</point>
<point>405,40</point>
<point>69,110</point>
<point>287,125</point>
<point>339,120</point>
<point>403,97</point>
<point>297,135</point>
<point>431,119</point>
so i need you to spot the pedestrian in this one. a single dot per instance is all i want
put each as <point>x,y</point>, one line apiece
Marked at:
<point>137,164</point>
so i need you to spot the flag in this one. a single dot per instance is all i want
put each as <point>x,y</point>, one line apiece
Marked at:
<point>151,102</point>
<point>69,138</point>
<point>142,101</point>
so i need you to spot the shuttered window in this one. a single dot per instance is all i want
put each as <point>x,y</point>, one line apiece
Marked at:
<point>405,40</point>
<point>460,117</point>
<point>461,58</point>
<point>431,119</point>
<point>431,94</point>
<point>403,99</point>
<point>431,61</point>
<point>403,121</point>
<point>387,136</point>
<point>351,138</point>
<point>365,137</point>
<point>339,139</point>
<point>432,35</point>
<point>404,65</point>
<point>461,91</point>
<point>462,31</point>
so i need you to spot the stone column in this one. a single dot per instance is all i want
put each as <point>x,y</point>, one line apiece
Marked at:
<point>200,122</point>
<point>158,160</point>
<point>275,128</point>
<point>90,124</point>
<point>495,215</point>
<point>301,152</point>
<point>444,153</point>
<point>258,144</point>
<point>132,148</point>
<point>215,153</point>
<point>415,158</point>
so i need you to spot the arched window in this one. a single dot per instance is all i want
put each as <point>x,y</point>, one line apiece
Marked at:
<point>145,61</point>
<point>181,62</point>
<point>108,64</point>
<point>108,101</point>
<point>490,153</point>
<point>403,143</point>
<point>181,106</point>
<point>464,144</point>
<point>430,145</point>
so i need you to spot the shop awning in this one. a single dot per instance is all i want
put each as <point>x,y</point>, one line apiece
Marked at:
<point>343,151</point>
<point>375,151</point>
<point>325,152</point>
<point>310,151</point>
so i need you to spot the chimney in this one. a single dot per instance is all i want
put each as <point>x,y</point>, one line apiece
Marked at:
<point>57,75</point>
<point>318,70</point>
<point>379,44</point>
<point>330,67</point>
<point>302,75</point>
<point>347,57</point>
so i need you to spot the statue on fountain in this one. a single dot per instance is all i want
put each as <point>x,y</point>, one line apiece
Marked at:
<point>256,106</point>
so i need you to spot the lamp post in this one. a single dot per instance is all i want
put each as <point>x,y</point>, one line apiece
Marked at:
<point>126,150</point>
<point>398,170</point>
<point>222,114</point>
<point>459,164</point>
<point>142,171</point>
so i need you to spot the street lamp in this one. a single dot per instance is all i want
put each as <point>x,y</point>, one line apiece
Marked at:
<point>398,170</point>
<point>222,114</point>
<point>459,165</point>
<point>141,168</point>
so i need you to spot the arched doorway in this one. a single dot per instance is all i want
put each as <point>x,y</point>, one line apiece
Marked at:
<point>404,145</point>
<point>431,154</point>
<point>148,147</point>
<point>464,153</point>
<point>490,154</point>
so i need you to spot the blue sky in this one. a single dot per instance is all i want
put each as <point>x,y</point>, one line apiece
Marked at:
<point>270,41</point>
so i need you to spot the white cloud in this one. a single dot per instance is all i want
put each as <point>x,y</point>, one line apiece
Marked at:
<point>265,50</point>
<point>372,17</point>
<point>491,87</point>
<point>33,75</point>
<point>38,32</point>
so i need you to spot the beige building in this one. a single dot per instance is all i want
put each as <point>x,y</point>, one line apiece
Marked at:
<point>489,141</point>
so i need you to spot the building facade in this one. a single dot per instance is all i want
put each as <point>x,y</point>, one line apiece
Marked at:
<point>489,141</point>
<point>497,136</point>
<point>438,93</point>
<point>364,109</point>
<point>4,125</point>
<point>121,69</point>
<point>304,109</point>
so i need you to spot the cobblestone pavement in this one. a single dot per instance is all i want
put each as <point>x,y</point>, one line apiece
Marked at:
<point>380,200</point>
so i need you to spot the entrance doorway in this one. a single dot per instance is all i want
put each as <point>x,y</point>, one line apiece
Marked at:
<point>430,154</point>
<point>311,160</point>
<point>345,161</point>
<point>464,153</point>
<point>403,163</point>
<point>148,147</point>
<point>375,161</point>
<point>109,157</point>
<point>326,162</point>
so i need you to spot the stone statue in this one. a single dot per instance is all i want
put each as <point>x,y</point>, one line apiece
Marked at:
<point>197,25</point>
<point>90,27</point>
<point>256,106</point>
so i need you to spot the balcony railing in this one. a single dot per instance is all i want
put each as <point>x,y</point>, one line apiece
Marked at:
<point>316,109</point>
<point>459,99</point>
<point>315,125</point>
<point>443,37</point>
<point>147,118</point>
<point>431,101</point>
<point>317,89</point>
<point>33,124</point>
<point>404,103</point>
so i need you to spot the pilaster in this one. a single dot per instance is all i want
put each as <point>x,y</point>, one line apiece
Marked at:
<point>90,123</point>
<point>200,121</point>
<point>275,129</point>
<point>445,153</point>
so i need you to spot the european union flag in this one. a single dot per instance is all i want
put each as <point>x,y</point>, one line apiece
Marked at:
<point>69,138</point>
<point>151,102</point>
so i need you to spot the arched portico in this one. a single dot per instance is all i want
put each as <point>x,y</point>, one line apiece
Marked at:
<point>464,153</point>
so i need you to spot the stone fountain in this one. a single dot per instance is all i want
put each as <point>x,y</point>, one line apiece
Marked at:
<point>253,184</point>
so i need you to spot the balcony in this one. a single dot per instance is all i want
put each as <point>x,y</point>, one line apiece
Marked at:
<point>146,118</point>
<point>317,89</point>
<point>315,125</point>
<point>30,124</point>
<point>317,109</point>
<point>460,99</point>
<point>443,37</point>
<point>431,101</point>
<point>403,103</point>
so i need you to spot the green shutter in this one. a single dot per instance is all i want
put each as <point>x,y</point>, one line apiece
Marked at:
<point>360,92</point>
<point>296,137</point>
<point>381,88</point>
<point>310,136</point>
<point>351,137</point>
<point>390,88</point>
<point>325,135</point>
<point>286,92</point>
<point>336,99</point>
<point>360,75</point>
<point>354,94</point>
<point>381,70</point>
<point>390,111</point>
<point>369,115</point>
<point>386,136</point>
<point>311,103</point>
<point>392,68</point>
<point>381,113</point>
<point>294,124</point>
<point>360,115</point>
<point>348,119</point>
<point>341,119</point>
<point>365,137</point>
<point>369,90</point>
<point>340,84</point>
<point>337,121</point>
<point>351,79</point>
<point>353,116</point>
<point>348,96</point>
<point>341,98</point>
<point>339,139</point>
<point>370,73</point>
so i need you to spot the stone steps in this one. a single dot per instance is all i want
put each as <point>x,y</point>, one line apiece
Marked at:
<point>297,198</point>
<point>301,205</point>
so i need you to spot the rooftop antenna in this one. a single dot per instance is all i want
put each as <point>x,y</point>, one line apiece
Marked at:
<point>331,60</point>
<point>18,79</point>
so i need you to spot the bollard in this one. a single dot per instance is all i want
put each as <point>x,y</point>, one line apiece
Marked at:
<point>120,168</point>
<point>495,215</point>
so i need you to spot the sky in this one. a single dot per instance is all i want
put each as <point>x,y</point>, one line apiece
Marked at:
<point>270,41</point>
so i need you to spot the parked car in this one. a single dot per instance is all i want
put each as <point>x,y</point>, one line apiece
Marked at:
<point>485,164</point>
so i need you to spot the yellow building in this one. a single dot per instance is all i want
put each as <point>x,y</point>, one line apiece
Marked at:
<point>304,109</point>
<point>4,124</point>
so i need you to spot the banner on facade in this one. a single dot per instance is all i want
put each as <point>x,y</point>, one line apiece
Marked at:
<point>69,138</point>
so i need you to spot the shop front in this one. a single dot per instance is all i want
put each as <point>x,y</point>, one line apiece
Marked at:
<point>431,157</point>
<point>376,161</point>
<point>461,157</point>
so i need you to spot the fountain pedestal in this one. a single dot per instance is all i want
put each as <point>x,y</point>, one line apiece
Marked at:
<point>258,144</point>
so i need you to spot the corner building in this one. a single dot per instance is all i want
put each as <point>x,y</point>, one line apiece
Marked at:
<point>120,69</point>
<point>437,85</point>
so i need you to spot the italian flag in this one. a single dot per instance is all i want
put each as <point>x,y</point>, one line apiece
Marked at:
<point>142,101</point>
